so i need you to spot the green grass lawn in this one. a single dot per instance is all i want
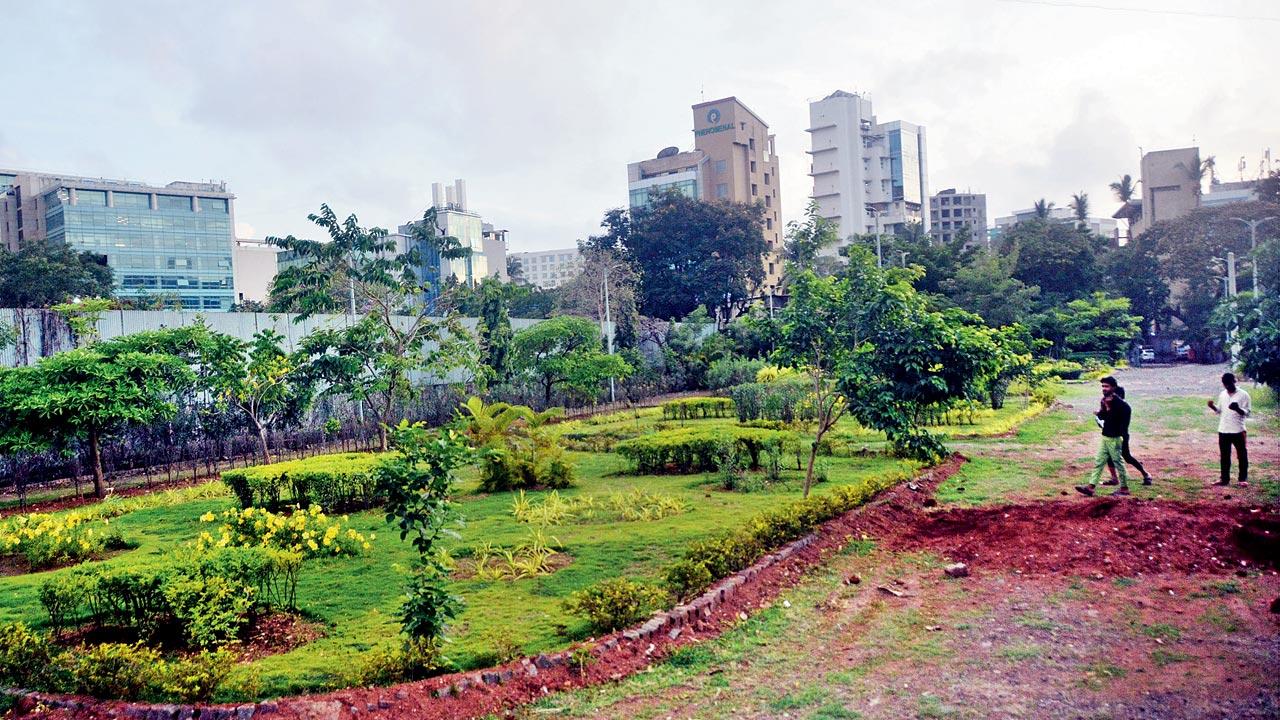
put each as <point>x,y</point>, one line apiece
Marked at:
<point>357,598</point>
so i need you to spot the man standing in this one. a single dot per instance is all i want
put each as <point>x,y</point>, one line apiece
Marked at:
<point>1128,456</point>
<point>1233,407</point>
<point>1114,414</point>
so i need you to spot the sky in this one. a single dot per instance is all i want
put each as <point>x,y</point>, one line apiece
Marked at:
<point>541,105</point>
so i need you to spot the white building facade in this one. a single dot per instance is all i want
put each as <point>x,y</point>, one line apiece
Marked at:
<point>549,268</point>
<point>868,177</point>
<point>1107,227</point>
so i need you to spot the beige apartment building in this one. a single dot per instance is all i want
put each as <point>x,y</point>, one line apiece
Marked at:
<point>741,165</point>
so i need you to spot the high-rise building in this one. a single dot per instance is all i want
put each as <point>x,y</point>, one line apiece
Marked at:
<point>254,265</point>
<point>453,219</point>
<point>549,268</point>
<point>951,211</point>
<point>1170,183</point>
<point>741,165</point>
<point>170,244</point>
<point>868,176</point>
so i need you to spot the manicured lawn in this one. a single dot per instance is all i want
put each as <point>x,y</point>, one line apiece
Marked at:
<point>357,598</point>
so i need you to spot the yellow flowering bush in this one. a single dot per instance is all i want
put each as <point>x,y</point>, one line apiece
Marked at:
<point>309,532</point>
<point>47,540</point>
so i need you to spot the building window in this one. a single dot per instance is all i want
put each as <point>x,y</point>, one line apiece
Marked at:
<point>754,190</point>
<point>751,144</point>
<point>768,223</point>
<point>766,178</point>
<point>722,190</point>
<point>173,202</point>
<point>768,201</point>
<point>97,198</point>
<point>753,166</point>
<point>722,166</point>
<point>217,205</point>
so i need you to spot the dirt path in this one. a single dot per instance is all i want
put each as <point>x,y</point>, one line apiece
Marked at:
<point>1151,607</point>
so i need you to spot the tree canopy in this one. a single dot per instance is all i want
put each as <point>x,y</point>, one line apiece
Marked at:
<point>43,274</point>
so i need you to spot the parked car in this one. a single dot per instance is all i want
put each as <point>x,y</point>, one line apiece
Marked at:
<point>1182,352</point>
<point>1148,354</point>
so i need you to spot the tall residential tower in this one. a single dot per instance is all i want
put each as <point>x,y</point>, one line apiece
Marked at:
<point>868,177</point>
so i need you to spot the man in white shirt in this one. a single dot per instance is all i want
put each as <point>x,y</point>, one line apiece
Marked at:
<point>1233,407</point>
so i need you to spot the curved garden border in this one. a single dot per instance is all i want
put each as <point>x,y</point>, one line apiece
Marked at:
<point>479,692</point>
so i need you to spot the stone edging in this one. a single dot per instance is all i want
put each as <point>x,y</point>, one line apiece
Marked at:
<point>671,622</point>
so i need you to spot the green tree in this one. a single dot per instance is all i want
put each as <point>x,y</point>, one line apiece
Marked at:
<point>564,353</point>
<point>495,331</point>
<point>1124,188</point>
<point>814,338</point>
<point>1055,257</point>
<point>584,295</point>
<point>42,274</point>
<point>692,253</point>
<point>805,242</point>
<point>1080,207</point>
<point>1260,339</point>
<point>1042,208</point>
<point>1269,188</point>
<point>260,380</point>
<point>1099,323</point>
<point>986,286</point>
<point>87,394</point>
<point>381,358</point>
<point>1133,271</point>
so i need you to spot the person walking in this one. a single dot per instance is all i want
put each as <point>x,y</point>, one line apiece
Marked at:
<point>1233,406</point>
<point>1128,457</point>
<point>1114,414</point>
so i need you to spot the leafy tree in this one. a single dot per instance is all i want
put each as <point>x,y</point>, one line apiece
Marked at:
<point>1099,324</point>
<point>1056,257</point>
<point>1124,189</point>
<point>564,352</point>
<point>1266,258</point>
<point>515,270</point>
<point>1013,360</point>
<point>814,339</point>
<point>806,240</point>
<point>262,381</point>
<point>380,358</point>
<point>495,331</point>
<point>89,393</point>
<point>691,253</point>
<point>1269,188</point>
<point>42,274</point>
<point>250,306</point>
<point>986,286</point>
<point>1133,271</point>
<point>8,335</point>
<point>584,294</point>
<point>1260,338</point>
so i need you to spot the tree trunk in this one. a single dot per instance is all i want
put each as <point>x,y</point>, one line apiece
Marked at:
<point>808,475</point>
<point>95,453</point>
<point>547,399</point>
<point>382,438</point>
<point>262,440</point>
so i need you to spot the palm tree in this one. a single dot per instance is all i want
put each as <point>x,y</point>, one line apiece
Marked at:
<point>1080,204</point>
<point>1125,188</point>
<point>1199,168</point>
<point>1042,209</point>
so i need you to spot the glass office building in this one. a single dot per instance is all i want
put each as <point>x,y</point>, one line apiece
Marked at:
<point>167,246</point>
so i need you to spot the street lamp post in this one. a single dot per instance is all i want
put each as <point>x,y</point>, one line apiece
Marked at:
<point>608,330</point>
<point>1253,243</point>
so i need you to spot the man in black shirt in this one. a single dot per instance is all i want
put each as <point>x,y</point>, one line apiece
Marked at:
<point>1114,413</point>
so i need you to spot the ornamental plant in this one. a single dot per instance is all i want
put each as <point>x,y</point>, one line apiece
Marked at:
<point>310,532</point>
<point>50,540</point>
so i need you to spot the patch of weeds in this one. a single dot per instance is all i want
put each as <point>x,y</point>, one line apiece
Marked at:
<point>1037,622</point>
<point>834,711</point>
<point>1223,619</point>
<point>858,548</point>
<point>1075,590</point>
<point>718,681</point>
<point>931,706</point>
<point>1162,631</point>
<point>1124,582</point>
<point>1098,674</point>
<point>1163,658</point>
<point>1021,651</point>
<point>1221,588</point>
<point>802,699</point>
<point>845,677</point>
<point>691,657</point>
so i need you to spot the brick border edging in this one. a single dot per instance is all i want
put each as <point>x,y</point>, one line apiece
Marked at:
<point>699,611</point>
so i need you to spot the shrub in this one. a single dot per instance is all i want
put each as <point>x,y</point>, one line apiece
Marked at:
<point>696,408</point>
<point>631,506</point>
<point>685,578</point>
<point>26,657</point>
<point>615,604</point>
<point>728,372</point>
<point>1061,369</point>
<point>342,481</point>
<point>773,373</point>
<point>48,540</point>
<point>782,400</point>
<point>114,670</point>
<point>530,460</point>
<point>195,678</point>
<point>211,610</point>
<point>310,532</point>
<point>530,558</point>
<point>690,450</point>
<point>62,597</point>
<point>413,660</point>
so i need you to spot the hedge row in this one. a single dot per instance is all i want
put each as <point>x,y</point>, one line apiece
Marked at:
<point>697,408</point>
<point>691,450</point>
<point>783,400</point>
<point>337,482</point>
<point>709,560</point>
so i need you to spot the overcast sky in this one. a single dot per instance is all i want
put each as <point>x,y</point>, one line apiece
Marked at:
<point>540,105</point>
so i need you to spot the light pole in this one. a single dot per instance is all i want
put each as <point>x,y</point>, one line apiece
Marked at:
<point>875,215</point>
<point>1253,244</point>
<point>608,330</point>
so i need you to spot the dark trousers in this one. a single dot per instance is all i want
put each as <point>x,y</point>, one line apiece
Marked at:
<point>1129,458</point>
<point>1225,442</point>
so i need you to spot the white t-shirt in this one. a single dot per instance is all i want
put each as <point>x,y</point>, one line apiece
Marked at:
<point>1231,421</point>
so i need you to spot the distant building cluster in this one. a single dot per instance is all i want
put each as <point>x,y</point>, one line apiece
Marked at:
<point>175,244</point>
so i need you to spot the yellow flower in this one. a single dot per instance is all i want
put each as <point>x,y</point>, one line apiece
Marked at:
<point>207,517</point>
